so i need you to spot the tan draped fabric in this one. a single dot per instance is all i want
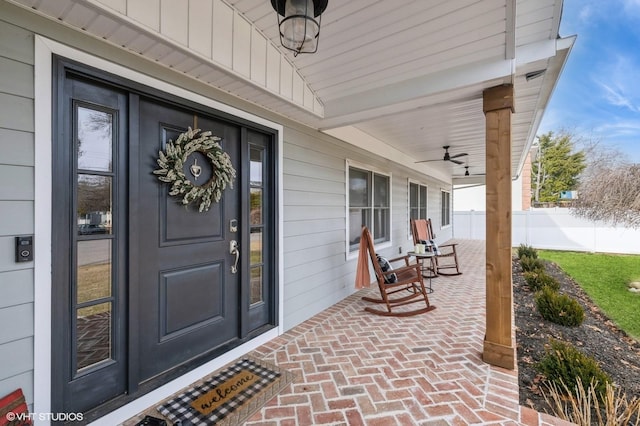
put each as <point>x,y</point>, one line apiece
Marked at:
<point>363,278</point>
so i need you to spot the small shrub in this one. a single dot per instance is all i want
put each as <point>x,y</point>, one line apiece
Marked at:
<point>537,280</point>
<point>525,250</point>
<point>564,366</point>
<point>559,308</point>
<point>531,264</point>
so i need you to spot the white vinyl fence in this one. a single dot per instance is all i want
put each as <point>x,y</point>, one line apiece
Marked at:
<point>554,229</point>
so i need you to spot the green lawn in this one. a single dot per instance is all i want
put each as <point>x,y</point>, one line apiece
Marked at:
<point>605,277</point>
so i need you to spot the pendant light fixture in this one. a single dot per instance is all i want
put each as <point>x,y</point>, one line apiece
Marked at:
<point>299,29</point>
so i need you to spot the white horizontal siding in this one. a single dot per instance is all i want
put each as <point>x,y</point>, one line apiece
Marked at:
<point>312,226</point>
<point>16,217</point>
<point>21,81</point>
<point>14,356</point>
<point>314,211</point>
<point>307,168</point>
<point>16,44</point>
<point>21,319</point>
<point>21,182</point>
<point>309,198</point>
<point>16,147</point>
<point>16,208</point>
<point>16,112</point>
<point>317,273</point>
<point>301,257</point>
<point>306,184</point>
<point>16,288</point>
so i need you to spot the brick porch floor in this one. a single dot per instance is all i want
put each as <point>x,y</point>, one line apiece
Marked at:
<point>356,368</point>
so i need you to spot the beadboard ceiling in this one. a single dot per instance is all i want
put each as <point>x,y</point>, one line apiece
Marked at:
<point>406,73</point>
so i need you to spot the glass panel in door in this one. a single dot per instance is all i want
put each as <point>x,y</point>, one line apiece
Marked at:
<point>256,219</point>
<point>94,251</point>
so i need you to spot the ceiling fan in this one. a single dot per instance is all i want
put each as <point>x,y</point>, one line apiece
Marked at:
<point>448,157</point>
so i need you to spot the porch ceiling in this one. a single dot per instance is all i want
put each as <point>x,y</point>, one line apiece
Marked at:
<point>407,73</point>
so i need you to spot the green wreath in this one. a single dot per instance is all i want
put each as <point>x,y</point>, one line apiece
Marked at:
<point>176,154</point>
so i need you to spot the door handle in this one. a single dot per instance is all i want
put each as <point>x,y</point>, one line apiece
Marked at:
<point>234,249</point>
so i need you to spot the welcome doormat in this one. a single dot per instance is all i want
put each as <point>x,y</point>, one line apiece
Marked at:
<point>229,396</point>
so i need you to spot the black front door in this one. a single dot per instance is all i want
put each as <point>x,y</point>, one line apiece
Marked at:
<point>144,288</point>
<point>190,293</point>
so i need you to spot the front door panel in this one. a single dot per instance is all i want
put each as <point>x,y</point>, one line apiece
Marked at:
<point>189,302</point>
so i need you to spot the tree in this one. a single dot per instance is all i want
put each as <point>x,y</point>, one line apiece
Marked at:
<point>556,166</point>
<point>609,189</point>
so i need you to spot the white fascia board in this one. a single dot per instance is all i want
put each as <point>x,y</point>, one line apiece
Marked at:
<point>566,43</point>
<point>360,139</point>
<point>537,51</point>
<point>410,94</point>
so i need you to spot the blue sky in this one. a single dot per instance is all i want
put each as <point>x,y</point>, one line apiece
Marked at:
<point>598,95</point>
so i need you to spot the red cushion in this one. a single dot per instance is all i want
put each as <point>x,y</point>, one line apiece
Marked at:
<point>13,410</point>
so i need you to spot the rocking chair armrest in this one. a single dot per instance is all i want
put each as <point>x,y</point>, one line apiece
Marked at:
<point>448,245</point>
<point>406,268</point>
<point>397,259</point>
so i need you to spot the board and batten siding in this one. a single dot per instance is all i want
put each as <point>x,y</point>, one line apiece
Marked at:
<point>16,208</point>
<point>317,273</point>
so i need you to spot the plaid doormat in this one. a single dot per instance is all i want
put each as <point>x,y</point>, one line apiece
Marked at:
<point>229,396</point>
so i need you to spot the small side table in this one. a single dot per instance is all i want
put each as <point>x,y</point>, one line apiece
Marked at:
<point>421,257</point>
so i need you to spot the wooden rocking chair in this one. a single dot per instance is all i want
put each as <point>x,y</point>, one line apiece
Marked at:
<point>447,259</point>
<point>398,287</point>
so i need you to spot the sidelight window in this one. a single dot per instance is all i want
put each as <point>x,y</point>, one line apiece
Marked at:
<point>256,219</point>
<point>93,299</point>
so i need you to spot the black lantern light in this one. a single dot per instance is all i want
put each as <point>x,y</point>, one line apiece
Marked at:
<point>299,29</point>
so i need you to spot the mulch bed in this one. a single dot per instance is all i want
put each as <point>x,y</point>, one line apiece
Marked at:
<point>598,336</point>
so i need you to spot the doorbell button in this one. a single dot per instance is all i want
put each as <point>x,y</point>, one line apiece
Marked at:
<point>24,248</point>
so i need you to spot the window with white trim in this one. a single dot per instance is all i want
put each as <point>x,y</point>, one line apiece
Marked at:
<point>417,202</point>
<point>369,201</point>
<point>445,214</point>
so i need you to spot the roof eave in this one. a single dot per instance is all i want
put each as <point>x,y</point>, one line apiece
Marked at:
<point>552,75</point>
